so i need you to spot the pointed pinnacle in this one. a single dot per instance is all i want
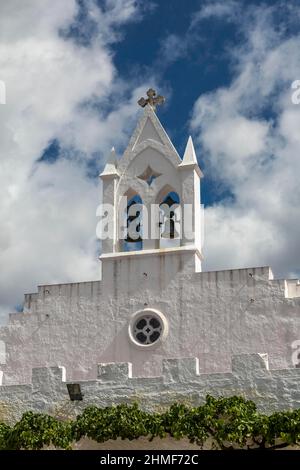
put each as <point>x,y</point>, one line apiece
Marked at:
<point>111,164</point>
<point>189,156</point>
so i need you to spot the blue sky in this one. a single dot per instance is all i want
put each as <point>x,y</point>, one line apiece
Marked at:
<point>165,43</point>
<point>145,49</point>
<point>183,74</point>
<point>74,72</point>
<point>200,67</point>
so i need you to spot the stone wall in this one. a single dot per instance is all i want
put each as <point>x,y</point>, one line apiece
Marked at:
<point>181,381</point>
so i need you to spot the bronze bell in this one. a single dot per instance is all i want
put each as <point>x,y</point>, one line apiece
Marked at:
<point>130,219</point>
<point>169,224</point>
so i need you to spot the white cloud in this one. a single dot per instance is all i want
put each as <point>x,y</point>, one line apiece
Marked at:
<point>172,48</point>
<point>48,211</point>
<point>216,9</point>
<point>249,135</point>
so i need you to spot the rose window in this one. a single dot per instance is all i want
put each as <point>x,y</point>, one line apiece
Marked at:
<point>147,329</point>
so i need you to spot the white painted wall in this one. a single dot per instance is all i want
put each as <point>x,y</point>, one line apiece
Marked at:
<point>211,315</point>
<point>250,377</point>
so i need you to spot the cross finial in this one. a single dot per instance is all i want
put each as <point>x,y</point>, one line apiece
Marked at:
<point>152,99</point>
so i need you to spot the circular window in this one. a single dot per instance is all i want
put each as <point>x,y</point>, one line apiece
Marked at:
<point>147,327</point>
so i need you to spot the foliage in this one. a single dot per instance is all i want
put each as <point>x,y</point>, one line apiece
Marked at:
<point>36,430</point>
<point>4,435</point>
<point>228,423</point>
<point>127,422</point>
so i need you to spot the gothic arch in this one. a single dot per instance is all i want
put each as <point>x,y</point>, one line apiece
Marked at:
<point>163,193</point>
<point>132,212</point>
<point>130,193</point>
<point>169,219</point>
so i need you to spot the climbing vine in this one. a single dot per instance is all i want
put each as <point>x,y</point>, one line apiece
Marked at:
<point>227,422</point>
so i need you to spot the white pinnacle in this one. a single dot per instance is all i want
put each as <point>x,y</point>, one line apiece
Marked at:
<point>110,167</point>
<point>189,156</point>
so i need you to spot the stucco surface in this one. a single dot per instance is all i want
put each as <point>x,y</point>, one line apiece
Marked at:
<point>211,315</point>
<point>180,382</point>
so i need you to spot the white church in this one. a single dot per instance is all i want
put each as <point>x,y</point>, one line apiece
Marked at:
<point>155,325</point>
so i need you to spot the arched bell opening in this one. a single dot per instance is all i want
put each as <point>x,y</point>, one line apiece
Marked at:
<point>170,221</point>
<point>132,239</point>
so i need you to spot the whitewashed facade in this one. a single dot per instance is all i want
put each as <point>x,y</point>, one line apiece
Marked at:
<point>211,316</point>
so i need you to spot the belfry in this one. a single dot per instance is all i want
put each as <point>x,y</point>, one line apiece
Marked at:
<point>152,175</point>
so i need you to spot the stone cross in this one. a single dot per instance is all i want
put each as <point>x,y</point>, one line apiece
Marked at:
<point>152,99</point>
